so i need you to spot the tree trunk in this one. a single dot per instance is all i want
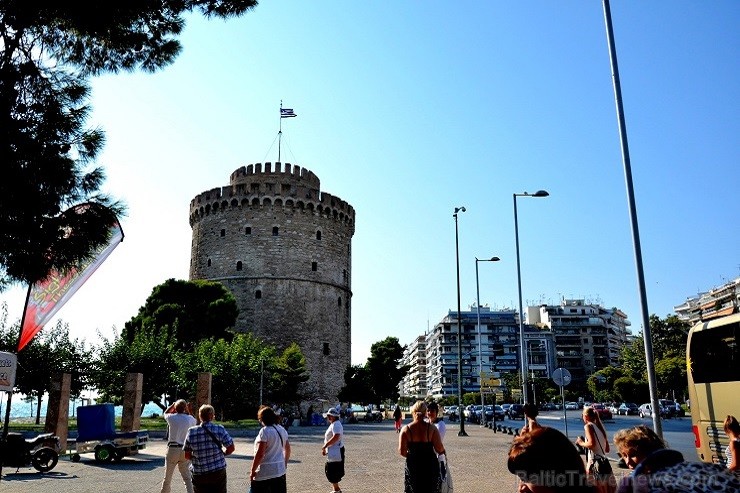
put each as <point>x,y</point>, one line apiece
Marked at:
<point>38,409</point>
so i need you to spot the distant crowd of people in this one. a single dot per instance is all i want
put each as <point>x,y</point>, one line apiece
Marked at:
<point>543,458</point>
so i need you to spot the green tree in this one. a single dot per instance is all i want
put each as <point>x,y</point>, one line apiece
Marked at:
<point>601,383</point>
<point>671,375</point>
<point>626,389</point>
<point>50,353</point>
<point>289,372</point>
<point>632,357</point>
<point>669,337</point>
<point>150,353</point>
<point>385,369</point>
<point>48,53</point>
<point>186,311</point>
<point>236,367</point>
<point>357,387</point>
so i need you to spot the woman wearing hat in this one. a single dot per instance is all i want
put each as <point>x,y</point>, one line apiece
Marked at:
<point>333,449</point>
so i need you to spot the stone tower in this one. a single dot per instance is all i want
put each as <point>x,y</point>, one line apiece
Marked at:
<point>284,248</point>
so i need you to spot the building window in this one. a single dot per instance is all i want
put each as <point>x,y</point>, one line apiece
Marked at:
<point>258,294</point>
<point>318,235</point>
<point>223,233</point>
<point>314,266</point>
<point>239,265</point>
<point>209,262</point>
<point>339,301</point>
<point>274,231</point>
<point>326,349</point>
<point>248,230</point>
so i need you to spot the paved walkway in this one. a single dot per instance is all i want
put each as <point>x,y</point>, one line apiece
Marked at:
<point>477,462</point>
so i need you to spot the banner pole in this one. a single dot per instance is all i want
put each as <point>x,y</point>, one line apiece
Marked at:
<point>10,393</point>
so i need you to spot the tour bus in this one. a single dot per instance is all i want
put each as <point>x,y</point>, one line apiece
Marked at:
<point>713,371</point>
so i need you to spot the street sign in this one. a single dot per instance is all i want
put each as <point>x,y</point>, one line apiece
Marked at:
<point>8,364</point>
<point>561,377</point>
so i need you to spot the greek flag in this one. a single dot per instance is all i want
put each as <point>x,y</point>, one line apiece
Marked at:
<point>287,113</point>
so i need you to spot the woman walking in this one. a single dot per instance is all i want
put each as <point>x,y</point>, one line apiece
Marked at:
<point>419,442</point>
<point>271,455</point>
<point>397,415</point>
<point>597,446</point>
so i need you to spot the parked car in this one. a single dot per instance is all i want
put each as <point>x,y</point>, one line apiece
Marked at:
<point>646,411</point>
<point>516,411</point>
<point>669,406</point>
<point>492,410</point>
<point>452,413</point>
<point>602,411</point>
<point>548,406</point>
<point>628,409</point>
<point>506,407</point>
<point>468,410</point>
<point>613,408</point>
<point>571,406</point>
<point>476,414</point>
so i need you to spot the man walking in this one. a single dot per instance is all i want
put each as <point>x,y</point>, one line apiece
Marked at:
<point>203,447</point>
<point>178,419</point>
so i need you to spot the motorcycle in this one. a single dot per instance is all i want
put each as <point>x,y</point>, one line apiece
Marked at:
<point>40,452</point>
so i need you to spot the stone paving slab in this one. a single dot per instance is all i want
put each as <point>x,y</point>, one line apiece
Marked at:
<point>373,465</point>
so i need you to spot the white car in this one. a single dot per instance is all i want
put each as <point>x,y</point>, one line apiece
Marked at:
<point>571,406</point>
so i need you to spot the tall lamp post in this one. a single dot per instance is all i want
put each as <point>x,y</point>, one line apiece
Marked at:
<point>632,206</point>
<point>461,433</point>
<point>522,349</point>
<point>480,353</point>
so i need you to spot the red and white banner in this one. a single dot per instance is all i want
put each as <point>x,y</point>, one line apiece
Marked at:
<point>45,298</point>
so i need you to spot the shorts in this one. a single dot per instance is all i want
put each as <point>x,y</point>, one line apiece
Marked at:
<point>335,470</point>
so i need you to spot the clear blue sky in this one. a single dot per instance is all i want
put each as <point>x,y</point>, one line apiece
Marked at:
<point>409,109</point>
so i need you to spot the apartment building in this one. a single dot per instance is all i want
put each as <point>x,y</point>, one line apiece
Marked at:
<point>717,302</point>
<point>587,336</point>
<point>414,384</point>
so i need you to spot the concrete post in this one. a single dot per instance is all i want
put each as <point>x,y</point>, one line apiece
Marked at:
<point>57,411</point>
<point>203,392</point>
<point>131,418</point>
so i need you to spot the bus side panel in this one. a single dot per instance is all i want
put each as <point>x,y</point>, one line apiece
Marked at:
<point>709,419</point>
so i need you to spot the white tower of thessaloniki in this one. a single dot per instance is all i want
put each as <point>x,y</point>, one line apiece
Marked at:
<point>284,249</point>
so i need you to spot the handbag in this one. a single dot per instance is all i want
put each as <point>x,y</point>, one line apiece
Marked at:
<point>445,477</point>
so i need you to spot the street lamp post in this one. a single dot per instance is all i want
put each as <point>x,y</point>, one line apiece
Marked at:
<point>480,353</point>
<point>522,349</point>
<point>459,330</point>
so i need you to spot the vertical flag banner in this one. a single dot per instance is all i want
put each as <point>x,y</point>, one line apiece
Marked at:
<point>48,296</point>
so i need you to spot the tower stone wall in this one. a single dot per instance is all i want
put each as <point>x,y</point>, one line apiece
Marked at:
<point>284,248</point>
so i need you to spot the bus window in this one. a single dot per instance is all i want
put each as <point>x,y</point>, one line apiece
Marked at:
<point>715,355</point>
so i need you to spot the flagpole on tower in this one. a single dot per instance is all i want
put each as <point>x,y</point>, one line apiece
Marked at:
<point>280,132</point>
<point>284,113</point>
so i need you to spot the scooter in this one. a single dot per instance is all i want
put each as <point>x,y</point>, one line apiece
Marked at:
<point>41,452</point>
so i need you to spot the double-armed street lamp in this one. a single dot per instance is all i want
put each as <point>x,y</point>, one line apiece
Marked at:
<point>459,330</point>
<point>480,353</point>
<point>522,349</point>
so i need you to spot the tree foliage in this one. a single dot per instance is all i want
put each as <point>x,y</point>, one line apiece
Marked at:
<point>357,387</point>
<point>288,373</point>
<point>236,368</point>
<point>50,353</point>
<point>150,353</point>
<point>385,369</point>
<point>186,312</point>
<point>48,52</point>
<point>669,337</point>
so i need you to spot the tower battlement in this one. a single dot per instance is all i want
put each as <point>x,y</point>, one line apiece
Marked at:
<point>256,185</point>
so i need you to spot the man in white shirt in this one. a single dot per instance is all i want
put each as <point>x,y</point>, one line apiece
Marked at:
<point>178,419</point>
<point>333,449</point>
